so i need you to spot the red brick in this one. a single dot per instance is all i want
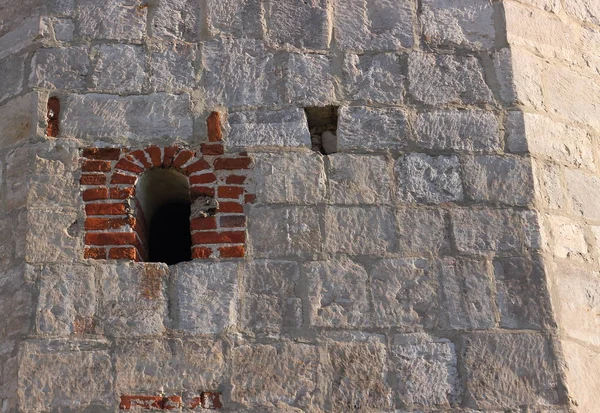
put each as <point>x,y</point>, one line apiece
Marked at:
<point>211,400</point>
<point>182,157</point>
<point>99,224</point>
<point>127,165</point>
<point>232,163</point>
<point>155,155</point>
<point>213,124</point>
<point>95,253</point>
<point>230,192</point>
<point>145,402</point>
<point>118,178</point>
<point>233,221</point>
<point>172,402</point>
<point>106,209</point>
<point>52,116</point>
<point>140,156</point>
<point>92,179</point>
<point>250,199</point>
<point>209,149</point>
<point>122,193</point>
<point>199,165</point>
<point>201,252</point>
<point>96,166</point>
<point>213,237</point>
<point>233,207</point>
<point>124,253</point>
<point>198,224</point>
<point>195,402</point>
<point>236,251</point>
<point>94,194</point>
<point>202,190</point>
<point>110,238</point>
<point>107,154</point>
<point>169,155</point>
<point>203,179</point>
<point>235,180</point>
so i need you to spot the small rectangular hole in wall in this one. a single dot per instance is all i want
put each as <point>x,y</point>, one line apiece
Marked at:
<point>322,124</point>
<point>52,117</point>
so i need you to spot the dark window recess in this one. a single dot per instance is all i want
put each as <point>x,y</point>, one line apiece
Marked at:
<point>52,115</point>
<point>322,124</point>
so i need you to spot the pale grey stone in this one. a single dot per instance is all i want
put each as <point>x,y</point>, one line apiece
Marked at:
<point>17,177</point>
<point>590,38</point>
<point>422,231</point>
<point>309,80</point>
<point>359,179</point>
<point>565,237</point>
<point>366,25</point>
<point>136,118</point>
<point>374,78</point>
<point>289,177</point>
<point>61,7</point>
<point>468,130</point>
<point>284,232</point>
<point>121,20</point>
<point>173,69</point>
<point>240,73</point>
<point>62,68</point>
<point>134,299</point>
<point>520,83</point>
<point>426,370</point>
<point>22,37</point>
<point>19,118</point>
<point>549,186</point>
<point>299,25</point>
<point>459,23</point>
<point>582,189</point>
<point>509,370</point>
<point>205,296</point>
<point>582,364</point>
<point>118,69</point>
<point>287,127</point>
<point>584,10</point>
<point>371,128</point>
<point>428,179</point>
<point>441,79</point>
<point>406,294</point>
<point>338,294</point>
<point>282,374</point>
<point>48,238</point>
<point>468,294</point>
<point>13,73</point>
<point>177,20</point>
<point>329,142</point>
<point>63,29</point>
<point>236,18</point>
<point>360,230</point>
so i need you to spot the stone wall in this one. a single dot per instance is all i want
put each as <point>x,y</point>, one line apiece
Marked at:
<point>415,267</point>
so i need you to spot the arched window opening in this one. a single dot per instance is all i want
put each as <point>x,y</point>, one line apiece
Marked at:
<point>164,198</point>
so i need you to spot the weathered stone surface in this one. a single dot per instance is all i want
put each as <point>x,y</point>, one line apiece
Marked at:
<point>360,230</point>
<point>284,231</point>
<point>240,73</point>
<point>286,127</point>
<point>269,302</point>
<point>439,79</point>
<point>18,121</point>
<point>13,73</point>
<point>236,18</point>
<point>565,237</point>
<point>61,7</point>
<point>582,364</point>
<point>582,188</point>
<point>298,25</point>
<point>548,5</point>
<point>64,29</point>
<point>374,78</point>
<point>48,238</point>
<point>204,296</point>
<point>61,68</point>
<point>364,25</point>
<point>309,81</point>
<point>20,37</point>
<point>118,69</point>
<point>422,231</point>
<point>458,23</point>
<point>428,179</point>
<point>590,38</point>
<point>17,175</point>
<point>272,374</point>
<point>289,178</point>
<point>371,128</point>
<point>519,76</point>
<point>359,179</point>
<point>458,130</point>
<point>177,20</point>
<point>173,69</point>
<point>338,294</point>
<point>426,370</point>
<point>123,20</point>
<point>134,299</point>
<point>585,10</point>
<point>135,118</point>
<point>549,187</point>
<point>509,370</point>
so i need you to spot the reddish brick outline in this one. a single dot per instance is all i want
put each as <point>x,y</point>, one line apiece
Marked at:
<point>206,401</point>
<point>115,227</point>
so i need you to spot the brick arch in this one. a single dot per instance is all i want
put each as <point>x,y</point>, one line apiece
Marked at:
<point>115,226</point>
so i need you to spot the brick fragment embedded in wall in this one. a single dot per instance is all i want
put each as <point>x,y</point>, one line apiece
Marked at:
<point>52,116</point>
<point>115,225</point>
<point>206,401</point>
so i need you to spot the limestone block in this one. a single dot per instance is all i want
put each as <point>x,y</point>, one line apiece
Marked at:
<point>357,377</point>
<point>289,177</point>
<point>582,364</point>
<point>309,80</point>
<point>206,295</point>
<point>287,127</point>
<point>18,297</point>
<point>467,287</point>
<point>284,231</point>
<point>240,73</point>
<point>67,300</point>
<point>147,366</point>
<point>173,69</point>
<point>509,370</point>
<point>371,128</point>
<point>367,25</point>
<point>235,18</point>
<point>553,6</point>
<point>19,163</point>
<point>486,231</point>
<point>134,299</point>
<point>19,118</point>
<point>565,238</point>
<point>583,190</point>
<point>374,78</point>
<point>426,370</point>
<point>123,20</point>
<point>61,68</point>
<point>422,231</point>
<point>119,119</point>
<point>64,29</point>
<point>428,179</point>
<point>406,294</point>
<point>522,293</point>
<point>519,76</point>
<point>590,38</point>
<point>25,34</point>
<point>460,23</point>
<point>468,130</point>
<point>118,69</point>
<point>61,7</point>
<point>440,79</point>
<point>359,179</point>
<point>338,294</point>
<point>360,230</point>
<point>13,73</point>
<point>548,187</point>
<point>177,20</point>
<point>50,379</point>
<point>53,235</point>
<point>284,373</point>
<point>298,25</point>
<point>584,10</point>
<point>269,303</point>
<point>7,243</point>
